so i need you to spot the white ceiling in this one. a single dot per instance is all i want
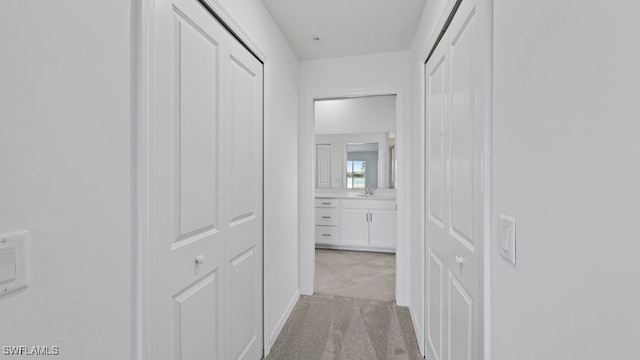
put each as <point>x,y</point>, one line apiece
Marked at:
<point>346,27</point>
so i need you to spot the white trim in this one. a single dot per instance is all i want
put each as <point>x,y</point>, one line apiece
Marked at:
<point>418,331</point>
<point>283,319</point>
<point>357,248</point>
<point>266,253</point>
<point>402,190</point>
<point>306,165</point>
<point>236,29</point>
<point>488,180</point>
<point>434,36</point>
<point>143,28</point>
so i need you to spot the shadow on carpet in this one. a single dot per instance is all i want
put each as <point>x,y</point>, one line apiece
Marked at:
<point>325,327</point>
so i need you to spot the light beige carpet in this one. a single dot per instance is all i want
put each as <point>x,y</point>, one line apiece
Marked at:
<point>360,274</point>
<point>323,327</point>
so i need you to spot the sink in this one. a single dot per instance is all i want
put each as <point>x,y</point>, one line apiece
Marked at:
<point>365,195</point>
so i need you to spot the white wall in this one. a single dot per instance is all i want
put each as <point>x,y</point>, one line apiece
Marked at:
<point>65,173</point>
<point>375,74</point>
<point>376,71</point>
<point>566,151</point>
<point>280,161</point>
<point>565,146</point>
<point>423,41</point>
<point>65,155</point>
<point>371,114</point>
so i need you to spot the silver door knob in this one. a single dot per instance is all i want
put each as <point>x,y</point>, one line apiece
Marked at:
<point>459,260</point>
<point>199,259</point>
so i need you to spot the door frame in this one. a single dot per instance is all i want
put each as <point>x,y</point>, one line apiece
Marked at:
<point>142,112</point>
<point>306,166</point>
<point>487,110</point>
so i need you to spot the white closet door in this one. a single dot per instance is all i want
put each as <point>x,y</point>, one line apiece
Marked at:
<point>205,179</point>
<point>454,216</point>
<point>242,121</point>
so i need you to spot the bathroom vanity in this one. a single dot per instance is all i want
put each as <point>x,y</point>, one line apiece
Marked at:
<point>354,153</point>
<point>349,220</point>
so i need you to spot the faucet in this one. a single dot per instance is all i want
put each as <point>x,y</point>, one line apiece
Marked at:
<point>369,190</point>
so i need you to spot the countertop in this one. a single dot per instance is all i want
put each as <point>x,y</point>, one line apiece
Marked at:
<point>380,194</point>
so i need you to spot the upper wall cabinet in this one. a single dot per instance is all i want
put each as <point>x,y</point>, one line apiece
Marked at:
<point>323,161</point>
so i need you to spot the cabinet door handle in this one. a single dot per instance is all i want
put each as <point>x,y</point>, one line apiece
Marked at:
<point>326,234</point>
<point>326,203</point>
<point>370,217</point>
<point>326,217</point>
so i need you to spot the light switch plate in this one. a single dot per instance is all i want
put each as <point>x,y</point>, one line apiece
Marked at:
<point>13,262</point>
<point>507,238</point>
<point>7,265</point>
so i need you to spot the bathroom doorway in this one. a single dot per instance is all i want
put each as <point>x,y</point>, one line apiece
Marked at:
<point>355,200</point>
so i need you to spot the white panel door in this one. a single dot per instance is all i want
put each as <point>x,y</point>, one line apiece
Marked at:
<point>454,204</point>
<point>323,161</point>
<point>205,200</point>
<point>242,122</point>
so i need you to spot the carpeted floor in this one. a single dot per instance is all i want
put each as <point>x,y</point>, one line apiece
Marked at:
<point>325,327</point>
<point>360,274</point>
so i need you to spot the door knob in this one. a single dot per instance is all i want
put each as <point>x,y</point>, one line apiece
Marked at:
<point>199,259</point>
<point>459,260</point>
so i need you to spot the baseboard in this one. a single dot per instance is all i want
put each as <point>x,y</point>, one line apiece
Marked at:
<point>419,333</point>
<point>306,291</point>
<point>356,248</point>
<point>283,319</point>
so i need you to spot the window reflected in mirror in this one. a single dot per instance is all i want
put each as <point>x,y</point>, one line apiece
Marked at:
<point>356,173</point>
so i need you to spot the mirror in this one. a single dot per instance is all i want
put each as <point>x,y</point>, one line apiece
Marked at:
<point>355,142</point>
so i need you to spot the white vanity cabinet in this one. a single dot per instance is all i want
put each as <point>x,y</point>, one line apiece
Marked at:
<point>356,224</point>
<point>355,228</point>
<point>327,221</point>
<point>382,228</point>
<point>370,223</point>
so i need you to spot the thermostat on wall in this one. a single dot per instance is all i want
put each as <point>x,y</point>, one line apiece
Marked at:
<point>13,262</point>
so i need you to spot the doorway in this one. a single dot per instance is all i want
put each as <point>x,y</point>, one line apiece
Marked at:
<point>347,157</point>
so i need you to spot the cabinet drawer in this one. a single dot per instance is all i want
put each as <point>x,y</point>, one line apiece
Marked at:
<point>327,234</point>
<point>326,216</point>
<point>326,203</point>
